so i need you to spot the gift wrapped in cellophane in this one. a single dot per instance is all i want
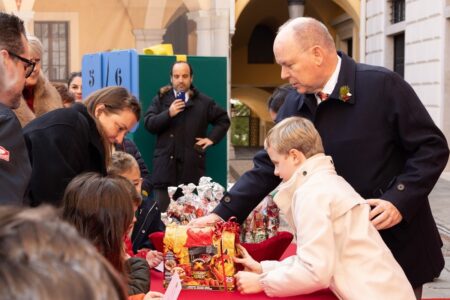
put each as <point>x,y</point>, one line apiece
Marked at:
<point>196,201</point>
<point>202,256</point>
<point>262,223</point>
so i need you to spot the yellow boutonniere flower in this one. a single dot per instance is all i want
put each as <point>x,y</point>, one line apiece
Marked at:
<point>344,93</point>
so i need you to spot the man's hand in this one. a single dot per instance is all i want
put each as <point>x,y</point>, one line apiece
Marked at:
<point>210,219</point>
<point>176,107</point>
<point>384,214</point>
<point>204,142</point>
<point>247,261</point>
<point>248,282</point>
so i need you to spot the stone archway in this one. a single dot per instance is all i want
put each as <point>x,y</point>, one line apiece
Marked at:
<point>255,99</point>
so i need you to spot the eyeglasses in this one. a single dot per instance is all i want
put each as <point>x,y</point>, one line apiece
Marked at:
<point>29,64</point>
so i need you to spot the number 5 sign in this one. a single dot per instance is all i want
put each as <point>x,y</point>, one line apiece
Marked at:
<point>109,69</point>
<point>91,73</point>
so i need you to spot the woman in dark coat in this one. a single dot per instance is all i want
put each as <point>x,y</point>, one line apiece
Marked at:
<point>69,141</point>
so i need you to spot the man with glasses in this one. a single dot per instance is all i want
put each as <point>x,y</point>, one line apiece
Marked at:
<point>15,67</point>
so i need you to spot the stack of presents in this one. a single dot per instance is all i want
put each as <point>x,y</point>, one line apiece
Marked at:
<point>203,256</point>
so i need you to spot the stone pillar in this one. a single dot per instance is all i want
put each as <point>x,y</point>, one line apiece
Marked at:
<point>221,35</point>
<point>213,32</point>
<point>296,8</point>
<point>205,33</point>
<point>148,37</point>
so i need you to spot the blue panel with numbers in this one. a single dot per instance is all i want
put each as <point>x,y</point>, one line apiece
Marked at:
<point>121,68</point>
<point>91,73</point>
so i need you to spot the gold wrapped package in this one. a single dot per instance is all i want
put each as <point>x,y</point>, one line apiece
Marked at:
<point>202,256</point>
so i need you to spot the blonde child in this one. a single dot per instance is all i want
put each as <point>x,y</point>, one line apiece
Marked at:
<point>337,246</point>
<point>147,212</point>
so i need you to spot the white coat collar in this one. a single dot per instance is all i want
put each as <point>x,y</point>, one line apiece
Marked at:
<point>284,197</point>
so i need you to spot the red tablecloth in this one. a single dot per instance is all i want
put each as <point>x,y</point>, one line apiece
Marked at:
<point>157,285</point>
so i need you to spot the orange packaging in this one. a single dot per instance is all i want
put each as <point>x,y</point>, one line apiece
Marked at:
<point>202,256</point>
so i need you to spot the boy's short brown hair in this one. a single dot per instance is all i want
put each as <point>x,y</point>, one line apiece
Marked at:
<point>121,162</point>
<point>294,133</point>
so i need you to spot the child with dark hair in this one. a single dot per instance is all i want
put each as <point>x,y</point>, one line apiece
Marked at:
<point>101,209</point>
<point>67,97</point>
<point>277,98</point>
<point>148,214</point>
<point>43,257</point>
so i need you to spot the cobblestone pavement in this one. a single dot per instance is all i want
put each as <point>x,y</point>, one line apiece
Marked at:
<point>440,205</point>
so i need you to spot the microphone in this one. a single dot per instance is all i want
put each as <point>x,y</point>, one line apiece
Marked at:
<point>181,95</point>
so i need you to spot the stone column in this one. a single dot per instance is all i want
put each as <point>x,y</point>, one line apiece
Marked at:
<point>148,37</point>
<point>205,33</point>
<point>296,8</point>
<point>221,44</point>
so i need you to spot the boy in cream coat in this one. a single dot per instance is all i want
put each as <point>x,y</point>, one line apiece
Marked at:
<point>337,245</point>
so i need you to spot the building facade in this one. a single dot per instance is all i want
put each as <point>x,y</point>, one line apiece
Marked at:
<point>412,37</point>
<point>407,36</point>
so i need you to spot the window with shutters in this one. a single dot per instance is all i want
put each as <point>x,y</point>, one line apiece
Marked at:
<point>55,39</point>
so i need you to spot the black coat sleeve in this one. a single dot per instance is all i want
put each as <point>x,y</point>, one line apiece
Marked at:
<point>249,190</point>
<point>157,117</point>
<point>426,149</point>
<point>257,183</point>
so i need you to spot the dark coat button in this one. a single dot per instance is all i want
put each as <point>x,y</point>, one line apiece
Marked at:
<point>400,187</point>
<point>227,199</point>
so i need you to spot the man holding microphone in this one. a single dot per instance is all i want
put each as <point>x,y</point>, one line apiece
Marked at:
<point>179,116</point>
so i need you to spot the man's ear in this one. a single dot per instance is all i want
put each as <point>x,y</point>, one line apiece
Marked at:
<point>3,54</point>
<point>99,109</point>
<point>318,55</point>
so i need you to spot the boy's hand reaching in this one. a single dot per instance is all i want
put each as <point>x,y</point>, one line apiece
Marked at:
<point>248,282</point>
<point>247,261</point>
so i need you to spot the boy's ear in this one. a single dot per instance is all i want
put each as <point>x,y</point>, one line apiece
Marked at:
<point>297,155</point>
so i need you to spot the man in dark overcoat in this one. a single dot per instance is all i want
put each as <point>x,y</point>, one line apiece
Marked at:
<point>15,67</point>
<point>381,138</point>
<point>179,116</point>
